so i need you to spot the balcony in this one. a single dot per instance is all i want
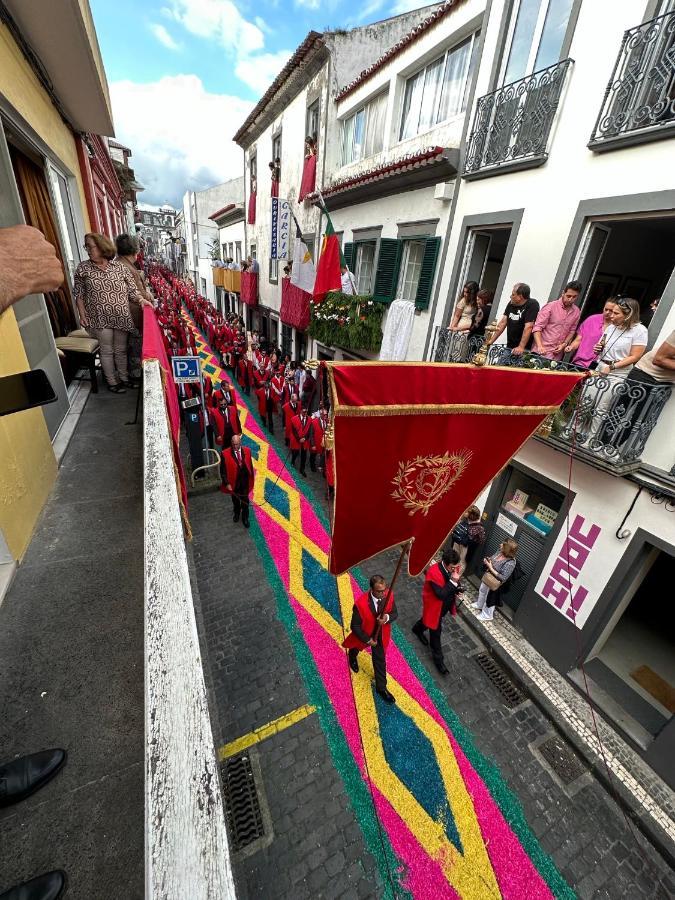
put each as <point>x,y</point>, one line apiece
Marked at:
<point>512,126</point>
<point>607,421</point>
<point>639,103</point>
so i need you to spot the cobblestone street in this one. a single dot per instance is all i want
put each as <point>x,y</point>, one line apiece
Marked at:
<point>316,846</point>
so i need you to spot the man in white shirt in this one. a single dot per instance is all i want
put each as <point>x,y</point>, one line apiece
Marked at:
<point>348,286</point>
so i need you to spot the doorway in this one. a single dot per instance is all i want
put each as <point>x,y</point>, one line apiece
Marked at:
<point>634,661</point>
<point>483,259</point>
<point>633,257</point>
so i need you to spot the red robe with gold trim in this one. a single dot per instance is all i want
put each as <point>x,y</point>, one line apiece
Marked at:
<point>369,622</point>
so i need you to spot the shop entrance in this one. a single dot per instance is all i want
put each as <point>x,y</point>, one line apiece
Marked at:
<point>633,663</point>
<point>633,257</point>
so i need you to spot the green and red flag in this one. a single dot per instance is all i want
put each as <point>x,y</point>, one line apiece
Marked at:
<point>328,274</point>
<point>442,433</point>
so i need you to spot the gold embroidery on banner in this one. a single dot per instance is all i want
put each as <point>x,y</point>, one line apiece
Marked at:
<point>421,482</point>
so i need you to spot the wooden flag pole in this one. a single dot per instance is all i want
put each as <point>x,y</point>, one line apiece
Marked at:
<point>404,550</point>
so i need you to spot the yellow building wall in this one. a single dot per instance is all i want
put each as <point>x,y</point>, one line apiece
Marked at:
<point>27,463</point>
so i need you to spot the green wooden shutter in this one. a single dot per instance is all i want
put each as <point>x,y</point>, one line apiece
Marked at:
<point>427,272</point>
<point>388,264</point>
<point>348,253</point>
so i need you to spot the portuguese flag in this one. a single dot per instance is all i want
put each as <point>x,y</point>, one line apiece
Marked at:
<point>328,275</point>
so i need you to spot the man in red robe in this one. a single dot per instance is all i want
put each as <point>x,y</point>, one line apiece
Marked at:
<point>225,418</point>
<point>319,424</point>
<point>288,411</point>
<point>441,590</point>
<point>266,404</point>
<point>238,478</point>
<point>301,428</point>
<point>373,613</point>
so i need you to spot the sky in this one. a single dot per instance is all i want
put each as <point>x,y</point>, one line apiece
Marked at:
<point>184,74</point>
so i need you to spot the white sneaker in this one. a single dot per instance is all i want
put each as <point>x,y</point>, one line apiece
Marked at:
<point>484,617</point>
<point>476,606</point>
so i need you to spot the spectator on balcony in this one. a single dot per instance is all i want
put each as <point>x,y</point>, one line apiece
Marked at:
<point>127,252</point>
<point>518,319</point>
<point>622,345</point>
<point>465,309</point>
<point>557,321</point>
<point>104,291</point>
<point>484,308</point>
<point>348,286</point>
<point>588,335</point>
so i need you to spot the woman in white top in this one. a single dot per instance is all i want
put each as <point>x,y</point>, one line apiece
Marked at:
<point>620,347</point>
<point>465,309</point>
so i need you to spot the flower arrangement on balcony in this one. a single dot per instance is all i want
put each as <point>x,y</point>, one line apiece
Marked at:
<point>347,320</point>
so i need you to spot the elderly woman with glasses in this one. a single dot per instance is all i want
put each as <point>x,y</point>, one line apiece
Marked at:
<point>104,289</point>
<point>623,343</point>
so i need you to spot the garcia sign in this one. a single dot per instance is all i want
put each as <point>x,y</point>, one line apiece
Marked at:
<point>281,227</point>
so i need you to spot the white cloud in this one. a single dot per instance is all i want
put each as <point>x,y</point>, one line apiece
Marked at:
<point>163,36</point>
<point>260,71</point>
<point>308,4</point>
<point>218,20</point>
<point>180,135</point>
<point>404,6</point>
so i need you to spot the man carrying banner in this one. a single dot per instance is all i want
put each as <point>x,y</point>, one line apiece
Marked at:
<point>440,593</point>
<point>373,613</point>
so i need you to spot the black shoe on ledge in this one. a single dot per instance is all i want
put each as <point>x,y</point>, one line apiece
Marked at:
<point>22,777</point>
<point>49,886</point>
<point>387,697</point>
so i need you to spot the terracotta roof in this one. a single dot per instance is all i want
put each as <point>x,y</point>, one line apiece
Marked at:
<point>402,164</point>
<point>221,212</point>
<point>313,40</point>
<point>398,47</point>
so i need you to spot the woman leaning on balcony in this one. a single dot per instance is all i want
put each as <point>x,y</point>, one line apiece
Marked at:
<point>620,347</point>
<point>104,289</point>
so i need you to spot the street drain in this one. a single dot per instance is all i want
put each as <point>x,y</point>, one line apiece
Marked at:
<point>566,764</point>
<point>242,807</point>
<point>511,695</point>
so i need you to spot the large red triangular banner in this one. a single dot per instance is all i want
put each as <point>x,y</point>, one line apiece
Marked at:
<point>416,443</point>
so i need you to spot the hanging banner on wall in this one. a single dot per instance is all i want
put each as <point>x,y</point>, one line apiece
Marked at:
<point>281,228</point>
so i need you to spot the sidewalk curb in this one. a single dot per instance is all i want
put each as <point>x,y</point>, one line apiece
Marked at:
<point>615,789</point>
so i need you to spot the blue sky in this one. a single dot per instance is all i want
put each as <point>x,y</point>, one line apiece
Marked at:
<point>184,74</point>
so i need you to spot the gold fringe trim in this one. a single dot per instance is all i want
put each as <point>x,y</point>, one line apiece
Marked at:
<point>434,409</point>
<point>440,365</point>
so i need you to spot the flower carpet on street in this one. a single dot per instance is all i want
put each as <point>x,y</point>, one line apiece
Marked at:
<point>445,825</point>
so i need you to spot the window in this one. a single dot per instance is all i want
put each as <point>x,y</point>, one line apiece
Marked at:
<point>536,36</point>
<point>276,147</point>
<point>312,124</point>
<point>203,283</point>
<point>437,92</point>
<point>254,251</point>
<point>363,131</point>
<point>309,243</point>
<point>411,268</point>
<point>237,252</point>
<point>274,271</point>
<point>365,266</point>
<point>223,250</point>
<point>253,172</point>
<point>286,339</point>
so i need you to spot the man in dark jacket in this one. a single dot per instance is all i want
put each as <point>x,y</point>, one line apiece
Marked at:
<point>373,613</point>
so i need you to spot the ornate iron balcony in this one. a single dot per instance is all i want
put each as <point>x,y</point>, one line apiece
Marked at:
<point>451,346</point>
<point>512,125</point>
<point>639,101</point>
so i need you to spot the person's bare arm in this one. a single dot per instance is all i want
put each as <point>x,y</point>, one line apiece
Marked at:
<point>664,357</point>
<point>527,331</point>
<point>28,264</point>
<point>500,328</point>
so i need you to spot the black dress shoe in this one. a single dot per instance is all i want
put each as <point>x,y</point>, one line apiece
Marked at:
<point>420,635</point>
<point>246,522</point>
<point>387,697</point>
<point>235,517</point>
<point>22,777</point>
<point>441,668</point>
<point>49,886</point>
<point>353,664</point>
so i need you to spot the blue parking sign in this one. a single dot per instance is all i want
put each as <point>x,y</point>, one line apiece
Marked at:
<point>185,369</point>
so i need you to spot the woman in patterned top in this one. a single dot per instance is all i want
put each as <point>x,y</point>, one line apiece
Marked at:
<point>104,288</point>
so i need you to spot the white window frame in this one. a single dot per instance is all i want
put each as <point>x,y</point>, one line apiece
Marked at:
<point>536,39</point>
<point>358,265</point>
<point>405,260</point>
<point>471,40</point>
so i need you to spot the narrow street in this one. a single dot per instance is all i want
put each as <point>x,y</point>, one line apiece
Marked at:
<point>270,621</point>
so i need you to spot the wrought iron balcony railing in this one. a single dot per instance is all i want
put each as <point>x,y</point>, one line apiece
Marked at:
<point>639,102</point>
<point>607,417</point>
<point>512,125</point>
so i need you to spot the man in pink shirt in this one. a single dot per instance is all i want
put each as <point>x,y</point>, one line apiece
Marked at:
<point>556,323</point>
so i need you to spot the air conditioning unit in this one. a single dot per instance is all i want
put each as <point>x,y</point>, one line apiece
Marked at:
<point>444,191</point>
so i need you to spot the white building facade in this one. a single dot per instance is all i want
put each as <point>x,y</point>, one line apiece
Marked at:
<point>566,173</point>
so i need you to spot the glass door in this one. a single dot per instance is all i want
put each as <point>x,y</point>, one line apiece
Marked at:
<point>535,38</point>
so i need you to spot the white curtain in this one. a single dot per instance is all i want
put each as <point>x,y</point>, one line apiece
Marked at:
<point>375,114</point>
<point>397,330</point>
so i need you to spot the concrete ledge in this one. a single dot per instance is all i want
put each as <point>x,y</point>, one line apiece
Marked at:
<point>187,853</point>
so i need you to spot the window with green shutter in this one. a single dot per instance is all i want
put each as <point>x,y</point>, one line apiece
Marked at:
<point>348,253</point>
<point>386,275</point>
<point>432,247</point>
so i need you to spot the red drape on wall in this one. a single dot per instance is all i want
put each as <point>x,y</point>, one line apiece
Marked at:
<point>249,288</point>
<point>275,189</point>
<point>294,305</point>
<point>251,207</point>
<point>442,433</point>
<point>308,182</point>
